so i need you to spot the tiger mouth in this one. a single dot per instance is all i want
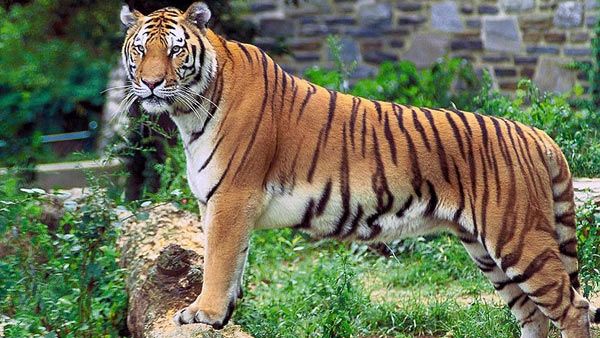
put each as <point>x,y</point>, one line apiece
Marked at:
<point>157,100</point>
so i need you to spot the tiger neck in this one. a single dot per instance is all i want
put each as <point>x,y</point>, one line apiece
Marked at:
<point>194,124</point>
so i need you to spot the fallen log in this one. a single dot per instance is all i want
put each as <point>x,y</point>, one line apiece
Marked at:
<point>163,256</point>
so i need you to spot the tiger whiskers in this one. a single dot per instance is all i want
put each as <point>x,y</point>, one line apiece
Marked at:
<point>115,88</point>
<point>124,106</point>
<point>188,91</point>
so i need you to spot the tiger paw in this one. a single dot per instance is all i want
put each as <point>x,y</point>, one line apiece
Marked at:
<point>213,318</point>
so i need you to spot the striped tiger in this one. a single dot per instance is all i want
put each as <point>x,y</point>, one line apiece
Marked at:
<point>266,149</point>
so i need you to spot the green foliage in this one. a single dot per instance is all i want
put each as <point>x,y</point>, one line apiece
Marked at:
<point>402,82</point>
<point>55,56</point>
<point>588,237</point>
<point>174,185</point>
<point>60,280</point>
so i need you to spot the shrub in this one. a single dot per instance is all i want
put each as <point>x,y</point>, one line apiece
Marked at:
<point>54,69</point>
<point>59,279</point>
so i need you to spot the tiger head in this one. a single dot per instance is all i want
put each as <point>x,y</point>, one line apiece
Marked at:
<point>168,57</point>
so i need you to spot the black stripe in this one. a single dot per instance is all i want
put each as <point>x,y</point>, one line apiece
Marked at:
<point>399,112</point>
<point>209,158</point>
<point>330,114</point>
<point>378,109</point>
<point>294,94</point>
<point>324,199</point>
<point>363,133</point>
<point>514,301</point>
<point>305,223</point>
<point>315,159</point>
<point>344,187</point>
<point>457,135</point>
<point>216,186</point>
<point>461,192</point>
<point>245,50</point>
<point>390,138</point>
<point>355,222</point>
<point>309,93</point>
<point>441,151</point>
<point>353,113</point>
<point>420,129</point>
<point>463,118</point>
<point>433,200</point>
<point>261,114</point>
<point>404,207</point>
<point>416,180</point>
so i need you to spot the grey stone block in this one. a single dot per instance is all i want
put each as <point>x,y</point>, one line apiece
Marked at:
<point>276,27</point>
<point>306,57</point>
<point>591,4</point>
<point>525,60</point>
<point>465,44</point>
<point>445,17</point>
<point>568,14</point>
<point>543,50</point>
<point>408,20</point>
<point>262,6</point>
<point>505,72</point>
<point>409,6</point>
<point>426,48</point>
<point>315,30</point>
<point>578,51</point>
<point>517,5</point>
<point>488,9</point>
<point>501,34</point>
<point>340,20</point>
<point>375,14</point>
<point>377,56</point>
<point>553,75</point>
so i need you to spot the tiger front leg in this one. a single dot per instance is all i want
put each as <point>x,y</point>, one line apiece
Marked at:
<point>227,228</point>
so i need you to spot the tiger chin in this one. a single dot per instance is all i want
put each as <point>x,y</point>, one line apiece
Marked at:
<point>266,149</point>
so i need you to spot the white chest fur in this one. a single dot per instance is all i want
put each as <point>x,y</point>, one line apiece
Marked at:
<point>203,171</point>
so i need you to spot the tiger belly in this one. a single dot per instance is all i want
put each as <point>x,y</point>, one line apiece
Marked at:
<point>305,209</point>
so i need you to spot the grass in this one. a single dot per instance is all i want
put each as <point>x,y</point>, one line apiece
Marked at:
<point>297,287</point>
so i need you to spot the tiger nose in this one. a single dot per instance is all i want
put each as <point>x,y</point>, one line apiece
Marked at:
<point>153,83</point>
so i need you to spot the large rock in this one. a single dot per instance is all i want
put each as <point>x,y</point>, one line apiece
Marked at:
<point>517,5</point>
<point>501,34</point>
<point>445,17</point>
<point>553,75</point>
<point>375,14</point>
<point>426,48</point>
<point>568,14</point>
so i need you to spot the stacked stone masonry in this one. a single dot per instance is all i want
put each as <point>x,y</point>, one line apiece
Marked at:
<point>512,39</point>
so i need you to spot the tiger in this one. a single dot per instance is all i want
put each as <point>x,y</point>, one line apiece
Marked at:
<point>267,149</point>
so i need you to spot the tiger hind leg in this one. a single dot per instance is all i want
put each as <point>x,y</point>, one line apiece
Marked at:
<point>533,323</point>
<point>541,275</point>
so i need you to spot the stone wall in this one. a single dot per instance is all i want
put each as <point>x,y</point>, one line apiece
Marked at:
<point>513,39</point>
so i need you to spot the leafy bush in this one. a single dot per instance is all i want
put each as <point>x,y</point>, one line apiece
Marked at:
<point>59,279</point>
<point>55,58</point>
<point>448,82</point>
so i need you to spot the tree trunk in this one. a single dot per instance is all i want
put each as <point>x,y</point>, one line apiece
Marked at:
<point>163,256</point>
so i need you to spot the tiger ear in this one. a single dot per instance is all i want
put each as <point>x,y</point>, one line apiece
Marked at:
<point>129,18</point>
<point>198,14</point>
